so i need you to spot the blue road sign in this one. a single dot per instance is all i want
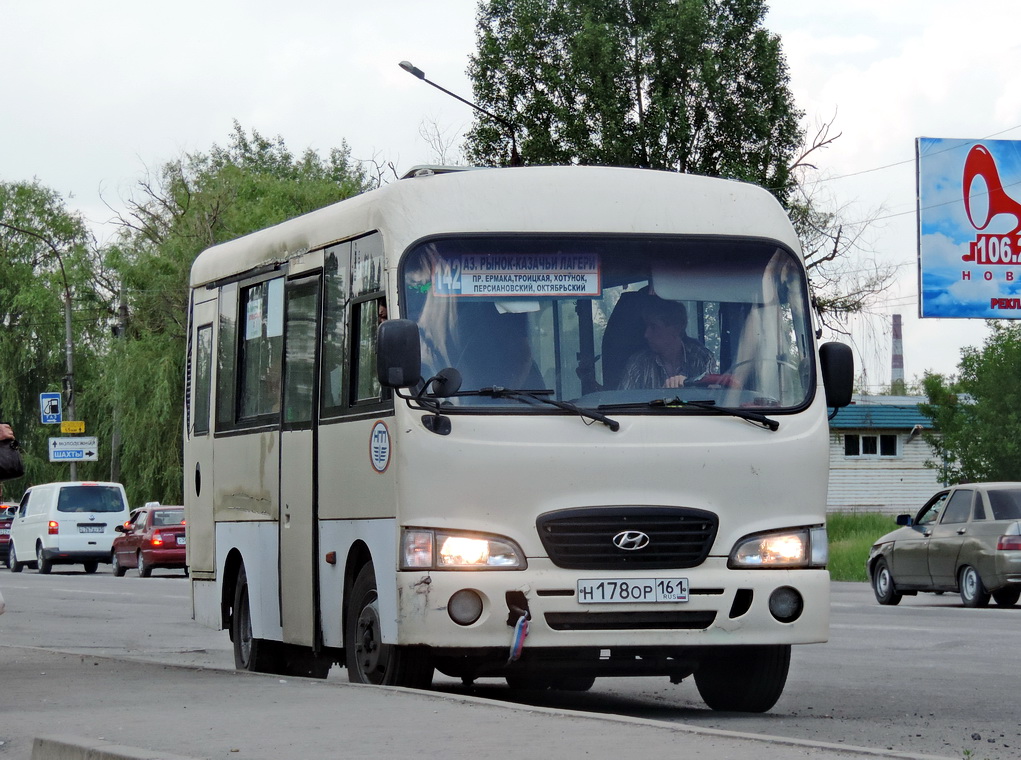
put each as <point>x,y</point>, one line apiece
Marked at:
<point>49,408</point>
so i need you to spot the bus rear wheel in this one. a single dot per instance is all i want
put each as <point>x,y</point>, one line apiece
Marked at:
<point>368,659</point>
<point>252,654</point>
<point>744,678</point>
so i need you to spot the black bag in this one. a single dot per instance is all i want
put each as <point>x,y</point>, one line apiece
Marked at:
<point>11,465</point>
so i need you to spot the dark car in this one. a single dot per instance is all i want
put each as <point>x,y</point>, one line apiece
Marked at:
<point>154,536</point>
<point>965,539</point>
<point>6,516</point>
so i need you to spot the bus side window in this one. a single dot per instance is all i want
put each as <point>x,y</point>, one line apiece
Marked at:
<point>226,357</point>
<point>366,316</point>
<point>337,287</point>
<point>203,376</point>
<point>262,307</point>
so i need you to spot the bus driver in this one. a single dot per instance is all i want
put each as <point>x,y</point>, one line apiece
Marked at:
<point>671,357</point>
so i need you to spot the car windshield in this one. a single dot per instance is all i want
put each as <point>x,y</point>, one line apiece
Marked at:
<point>90,499</point>
<point>625,324</point>
<point>1006,504</point>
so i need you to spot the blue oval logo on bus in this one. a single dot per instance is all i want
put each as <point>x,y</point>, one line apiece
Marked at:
<point>379,447</point>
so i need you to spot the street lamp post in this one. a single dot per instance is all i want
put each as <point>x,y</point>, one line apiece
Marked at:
<point>515,159</point>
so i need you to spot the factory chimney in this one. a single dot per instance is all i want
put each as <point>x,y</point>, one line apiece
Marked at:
<point>897,387</point>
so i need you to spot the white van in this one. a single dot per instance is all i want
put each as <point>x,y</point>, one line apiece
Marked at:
<point>67,523</point>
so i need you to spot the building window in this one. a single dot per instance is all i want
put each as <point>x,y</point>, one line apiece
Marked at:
<point>856,445</point>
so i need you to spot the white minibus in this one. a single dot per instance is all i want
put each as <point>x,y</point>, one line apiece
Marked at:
<point>543,424</point>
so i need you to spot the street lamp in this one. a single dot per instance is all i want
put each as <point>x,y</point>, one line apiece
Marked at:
<point>515,159</point>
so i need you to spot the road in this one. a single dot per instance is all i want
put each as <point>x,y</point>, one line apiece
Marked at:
<point>926,677</point>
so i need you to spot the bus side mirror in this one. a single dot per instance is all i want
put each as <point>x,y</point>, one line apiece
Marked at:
<point>837,363</point>
<point>398,354</point>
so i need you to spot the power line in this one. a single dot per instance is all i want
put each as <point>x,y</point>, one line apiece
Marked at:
<point>912,160</point>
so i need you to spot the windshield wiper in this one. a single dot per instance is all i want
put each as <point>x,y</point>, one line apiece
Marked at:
<point>497,391</point>
<point>707,405</point>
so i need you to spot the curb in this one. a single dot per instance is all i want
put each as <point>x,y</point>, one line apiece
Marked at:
<point>82,748</point>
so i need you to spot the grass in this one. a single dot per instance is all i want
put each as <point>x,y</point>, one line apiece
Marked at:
<point>851,536</point>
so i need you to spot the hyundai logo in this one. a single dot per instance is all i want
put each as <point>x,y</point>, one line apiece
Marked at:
<point>631,540</point>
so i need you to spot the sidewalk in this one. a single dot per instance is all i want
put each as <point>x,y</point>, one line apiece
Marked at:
<point>203,713</point>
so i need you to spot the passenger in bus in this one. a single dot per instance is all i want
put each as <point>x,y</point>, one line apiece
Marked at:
<point>496,350</point>
<point>671,358</point>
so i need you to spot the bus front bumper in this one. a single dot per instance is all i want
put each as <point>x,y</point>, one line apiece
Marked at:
<point>724,608</point>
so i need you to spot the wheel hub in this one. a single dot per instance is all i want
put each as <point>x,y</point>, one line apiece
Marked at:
<point>367,644</point>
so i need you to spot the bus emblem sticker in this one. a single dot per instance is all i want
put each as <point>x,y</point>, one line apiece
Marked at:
<point>631,540</point>
<point>379,447</point>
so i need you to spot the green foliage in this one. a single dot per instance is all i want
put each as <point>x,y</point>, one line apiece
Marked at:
<point>851,535</point>
<point>693,86</point>
<point>199,200</point>
<point>977,415</point>
<point>46,255</point>
<point>130,388</point>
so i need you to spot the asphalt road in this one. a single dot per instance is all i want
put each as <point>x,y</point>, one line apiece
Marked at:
<point>927,677</point>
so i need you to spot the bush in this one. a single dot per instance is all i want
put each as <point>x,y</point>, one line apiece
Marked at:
<point>851,536</point>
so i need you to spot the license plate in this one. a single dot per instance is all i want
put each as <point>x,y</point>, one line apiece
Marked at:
<point>619,590</point>
<point>5,531</point>
<point>182,540</point>
<point>90,528</point>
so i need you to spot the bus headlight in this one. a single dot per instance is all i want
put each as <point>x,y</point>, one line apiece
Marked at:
<point>801,547</point>
<point>423,549</point>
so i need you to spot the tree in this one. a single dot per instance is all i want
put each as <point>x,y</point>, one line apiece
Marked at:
<point>697,86</point>
<point>693,86</point>
<point>48,261</point>
<point>977,414</point>
<point>193,202</point>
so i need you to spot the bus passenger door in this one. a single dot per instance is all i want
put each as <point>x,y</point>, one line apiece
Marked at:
<point>298,472</point>
<point>198,444</point>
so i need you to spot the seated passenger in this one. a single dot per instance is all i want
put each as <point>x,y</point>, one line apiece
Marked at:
<point>671,358</point>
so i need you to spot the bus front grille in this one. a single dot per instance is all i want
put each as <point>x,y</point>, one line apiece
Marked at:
<point>627,538</point>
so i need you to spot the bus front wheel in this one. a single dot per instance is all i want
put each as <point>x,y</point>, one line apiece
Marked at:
<point>256,655</point>
<point>368,659</point>
<point>744,678</point>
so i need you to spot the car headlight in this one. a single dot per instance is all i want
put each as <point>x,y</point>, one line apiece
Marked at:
<point>800,547</point>
<point>423,549</point>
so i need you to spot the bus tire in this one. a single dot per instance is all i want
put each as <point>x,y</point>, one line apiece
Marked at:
<point>744,678</point>
<point>252,654</point>
<point>368,659</point>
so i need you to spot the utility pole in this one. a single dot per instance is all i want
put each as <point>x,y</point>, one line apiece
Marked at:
<point>69,353</point>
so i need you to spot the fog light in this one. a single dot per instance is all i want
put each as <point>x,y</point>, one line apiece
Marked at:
<point>786,604</point>
<point>465,607</point>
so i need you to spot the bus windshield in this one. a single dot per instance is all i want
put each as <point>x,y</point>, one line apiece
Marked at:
<point>621,322</point>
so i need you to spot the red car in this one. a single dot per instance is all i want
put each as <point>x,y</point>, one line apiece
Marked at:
<point>6,515</point>
<point>153,537</point>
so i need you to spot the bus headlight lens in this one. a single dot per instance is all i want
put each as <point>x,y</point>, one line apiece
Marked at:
<point>445,550</point>
<point>803,547</point>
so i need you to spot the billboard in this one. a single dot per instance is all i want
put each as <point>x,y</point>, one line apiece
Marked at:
<point>969,228</point>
